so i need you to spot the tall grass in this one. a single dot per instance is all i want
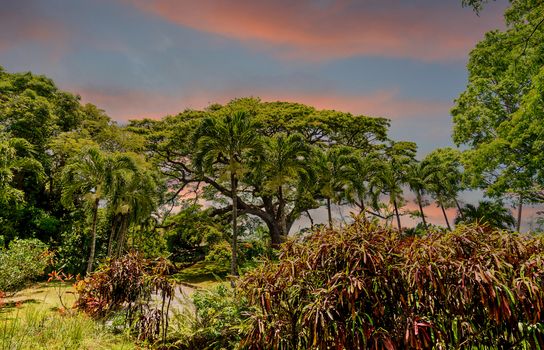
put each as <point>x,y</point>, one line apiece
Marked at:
<point>40,327</point>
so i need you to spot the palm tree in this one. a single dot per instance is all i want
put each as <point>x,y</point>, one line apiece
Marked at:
<point>361,177</point>
<point>133,197</point>
<point>283,168</point>
<point>443,176</point>
<point>416,176</point>
<point>89,178</point>
<point>335,167</point>
<point>391,173</point>
<point>222,143</point>
<point>492,213</point>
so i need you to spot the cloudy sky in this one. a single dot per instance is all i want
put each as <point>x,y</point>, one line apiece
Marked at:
<point>404,60</point>
<point>400,59</point>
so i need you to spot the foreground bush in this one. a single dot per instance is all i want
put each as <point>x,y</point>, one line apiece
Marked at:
<point>138,288</point>
<point>367,287</point>
<point>23,262</point>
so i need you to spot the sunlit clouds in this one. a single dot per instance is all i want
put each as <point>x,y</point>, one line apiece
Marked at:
<point>327,30</point>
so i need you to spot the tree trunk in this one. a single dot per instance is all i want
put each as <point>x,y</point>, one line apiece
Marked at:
<point>421,209</point>
<point>234,260</point>
<point>362,209</point>
<point>112,235</point>
<point>520,207</point>
<point>282,215</point>
<point>311,218</point>
<point>122,234</point>
<point>276,237</point>
<point>445,216</point>
<point>93,239</point>
<point>329,212</point>
<point>397,214</point>
<point>459,209</point>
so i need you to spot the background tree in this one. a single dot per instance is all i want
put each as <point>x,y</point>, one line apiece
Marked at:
<point>169,142</point>
<point>497,116</point>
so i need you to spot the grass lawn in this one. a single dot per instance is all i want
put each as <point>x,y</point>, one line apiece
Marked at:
<point>203,275</point>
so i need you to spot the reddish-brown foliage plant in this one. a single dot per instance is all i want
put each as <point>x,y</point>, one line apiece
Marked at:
<point>368,287</point>
<point>128,284</point>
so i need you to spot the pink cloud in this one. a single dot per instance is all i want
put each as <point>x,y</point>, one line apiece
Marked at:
<point>17,30</point>
<point>124,104</point>
<point>305,29</point>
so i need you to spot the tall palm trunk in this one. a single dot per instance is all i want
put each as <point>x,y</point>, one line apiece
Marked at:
<point>329,212</point>
<point>234,260</point>
<point>421,209</point>
<point>520,207</point>
<point>93,239</point>
<point>445,216</point>
<point>112,235</point>
<point>281,212</point>
<point>397,214</point>
<point>459,208</point>
<point>122,234</point>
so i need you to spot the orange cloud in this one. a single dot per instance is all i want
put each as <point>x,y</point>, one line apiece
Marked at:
<point>338,29</point>
<point>124,104</point>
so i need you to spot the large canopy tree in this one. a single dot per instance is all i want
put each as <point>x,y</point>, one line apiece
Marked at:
<point>170,141</point>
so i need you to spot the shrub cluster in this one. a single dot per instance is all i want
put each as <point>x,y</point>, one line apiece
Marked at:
<point>23,262</point>
<point>368,287</point>
<point>138,287</point>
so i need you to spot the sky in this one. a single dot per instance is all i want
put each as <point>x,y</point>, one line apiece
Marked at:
<point>404,59</point>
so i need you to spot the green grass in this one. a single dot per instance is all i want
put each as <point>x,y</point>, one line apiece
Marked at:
<point>36,319</point>
<point>203,274</point>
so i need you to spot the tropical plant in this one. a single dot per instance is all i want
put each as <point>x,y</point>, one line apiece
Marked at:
<point>127,284</point>
<point>368,287</point>
<point>490,213</point>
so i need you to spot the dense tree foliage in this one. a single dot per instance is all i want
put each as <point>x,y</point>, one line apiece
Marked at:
<point>499,115</point>
<point>61,160</point>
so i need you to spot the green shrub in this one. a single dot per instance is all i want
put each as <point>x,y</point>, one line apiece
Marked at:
<point>217,323</point>
<point>369,287</point>
<point>220,252</point>
<point>23,262</point>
